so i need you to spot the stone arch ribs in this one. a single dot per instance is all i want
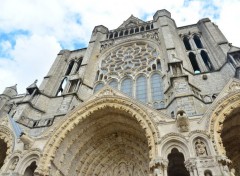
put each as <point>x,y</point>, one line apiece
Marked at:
<point>222,112</point>
<point>105,117</point>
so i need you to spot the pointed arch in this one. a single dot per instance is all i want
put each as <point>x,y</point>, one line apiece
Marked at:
<point>113,83</point>
<point>141,88</point>
<point>127,86</point>
<point>70,66</point>
<point>206,60</point>
<point>197,41</point>
<point>98,86</point>
<point>157,90</point>
<point>194,63</point>
<point>186,43</point>
<point>6,143</point>
<point>100,108</point>
<point>224,124</point>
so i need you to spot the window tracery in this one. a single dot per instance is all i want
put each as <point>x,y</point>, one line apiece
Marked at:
<point>125,63</point>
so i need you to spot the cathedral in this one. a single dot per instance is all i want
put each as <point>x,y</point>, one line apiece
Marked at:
<point>148,98</point>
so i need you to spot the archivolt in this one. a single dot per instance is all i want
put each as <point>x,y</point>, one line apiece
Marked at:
<point>90,108</point>
<point>8,137</point>
<point>226,105</point>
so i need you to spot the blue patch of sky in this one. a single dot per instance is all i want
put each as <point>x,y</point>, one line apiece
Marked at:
<point>209,8</point>
<point>11,38</point>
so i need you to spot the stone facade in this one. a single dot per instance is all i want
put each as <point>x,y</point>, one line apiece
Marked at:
<point>148,98</point>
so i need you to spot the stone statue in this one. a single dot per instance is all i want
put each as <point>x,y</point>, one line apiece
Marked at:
<point>226,170</point>
<point>232,173</point>
<point>14,164</point>
<point>200,148</point>
<point>182,121</point>
<point>157,172</point>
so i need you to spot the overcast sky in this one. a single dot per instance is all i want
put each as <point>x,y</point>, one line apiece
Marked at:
<point>33,32</point>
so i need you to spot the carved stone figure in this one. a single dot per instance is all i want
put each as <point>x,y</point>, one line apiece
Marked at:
<point>226,170</point>
<point>200,148</point>
<point>14,164</point>
<point>232,173</point>
<point>157,172</point>
<point>182,121</point>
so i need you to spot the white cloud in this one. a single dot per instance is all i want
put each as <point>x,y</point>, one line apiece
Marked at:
<point>66,22</point>
<point>33,57</point>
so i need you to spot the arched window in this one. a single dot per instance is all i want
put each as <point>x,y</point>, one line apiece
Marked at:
<point>142,29</point>
<point>137,29</point>
<point>97,75</point>
<point>186,43</point>
<point>148,27</point>
<point>62,86</point>
<point>132,31</point>
<point>121,33</point>
<point>141,89</point>
<point>157,90</point>
<point>126,32</point>
<point>158,64</point>
<point>79,64</point>
<point>70,66</point>
<point>111,35</point>
<point>194,63</point>
<point>113,83</point>
<point>115,34</point>
<point>30,169</point>
<point>197,41</point>
<point>98,87</point>
<point>126,86</point>
<point>207,61</point>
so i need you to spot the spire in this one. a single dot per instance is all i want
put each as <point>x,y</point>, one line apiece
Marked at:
<point>33,87</point>
<point>11,91</point>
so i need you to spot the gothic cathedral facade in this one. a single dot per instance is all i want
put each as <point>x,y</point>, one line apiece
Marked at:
<point>146,99</point>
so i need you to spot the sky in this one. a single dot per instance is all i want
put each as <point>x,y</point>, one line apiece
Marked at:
<point>33,32</point>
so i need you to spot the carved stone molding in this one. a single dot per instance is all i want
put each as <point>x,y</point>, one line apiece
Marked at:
<point>223,109</point>
<point>83,112</point>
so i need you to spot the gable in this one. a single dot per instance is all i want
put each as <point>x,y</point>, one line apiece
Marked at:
<point>130,22</point>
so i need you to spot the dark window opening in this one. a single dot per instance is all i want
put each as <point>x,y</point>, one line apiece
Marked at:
<point>207,173</point>
<point>142,29</point>
<point>151,26</point>
<point>97,75</point>
<point>73,85</point>
<point>111,35</point>
<point>30,169</point>
<point>126,32</point>
<point>147,27</point>
<point>131,31</point>
<point>115,34</point>
<point>154,67</point>
<point>35,123</point>
<point>176,166</point>
<point>186,43</point>
<point>158,65</point>
<point>121,33</point>
<point>69,68</point>
<point>101,77</point>
<point>197,41</point>
<point>137,30</point>
<point>79,64</point>
<point>206,61</point>
<point>194,63</point>
<point>236,58</point>
<point>172,114</point>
